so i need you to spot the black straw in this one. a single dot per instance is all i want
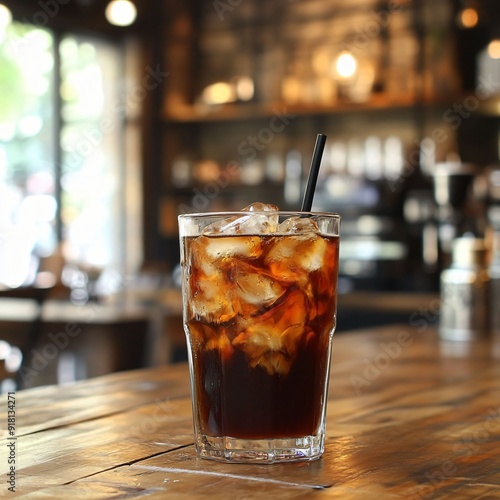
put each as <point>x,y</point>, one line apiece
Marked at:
<point>313,173</point>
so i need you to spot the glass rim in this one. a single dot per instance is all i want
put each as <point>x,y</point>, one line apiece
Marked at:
<point>289,213</point>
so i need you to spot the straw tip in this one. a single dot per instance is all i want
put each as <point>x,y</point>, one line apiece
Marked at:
<point>313,172</point>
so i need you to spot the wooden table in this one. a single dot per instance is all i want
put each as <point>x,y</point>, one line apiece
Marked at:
<point>408,417</point>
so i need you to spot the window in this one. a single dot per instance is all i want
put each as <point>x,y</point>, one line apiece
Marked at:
<point>27,178</point>
<point>61,159</point>
<point>90,143</point>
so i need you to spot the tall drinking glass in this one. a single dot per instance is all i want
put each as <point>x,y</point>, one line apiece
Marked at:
<point>259,306</point>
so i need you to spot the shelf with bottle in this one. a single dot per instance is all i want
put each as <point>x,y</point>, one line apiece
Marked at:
<point>378,102</point>
<point>358,173</point>
<point>314,58</point>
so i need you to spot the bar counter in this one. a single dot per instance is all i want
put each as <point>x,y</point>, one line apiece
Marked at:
<point>408,417</point>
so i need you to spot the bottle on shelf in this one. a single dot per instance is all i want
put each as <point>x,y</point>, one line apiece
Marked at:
<point>464,292</point>
<point>494,285</point>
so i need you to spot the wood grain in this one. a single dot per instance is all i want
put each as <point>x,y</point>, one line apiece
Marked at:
<point>408,417</point>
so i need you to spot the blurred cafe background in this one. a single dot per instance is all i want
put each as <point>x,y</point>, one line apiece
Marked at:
<point>116,116</point>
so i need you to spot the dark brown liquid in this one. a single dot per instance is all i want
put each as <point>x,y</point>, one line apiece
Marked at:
<point>237,400</point>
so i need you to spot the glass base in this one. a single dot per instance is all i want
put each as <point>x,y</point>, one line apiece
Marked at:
<point>261,451</point>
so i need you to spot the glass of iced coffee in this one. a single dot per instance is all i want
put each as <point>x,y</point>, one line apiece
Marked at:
<point>260,298</point>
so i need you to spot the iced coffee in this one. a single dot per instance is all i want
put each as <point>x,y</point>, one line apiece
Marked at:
<point>260,292</point>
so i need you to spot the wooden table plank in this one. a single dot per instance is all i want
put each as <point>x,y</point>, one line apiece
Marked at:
<point>65,454</point>
<point>55,406</point>
<point>424,424</point>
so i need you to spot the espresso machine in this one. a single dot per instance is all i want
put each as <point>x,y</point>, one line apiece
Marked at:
<point>458,194</point>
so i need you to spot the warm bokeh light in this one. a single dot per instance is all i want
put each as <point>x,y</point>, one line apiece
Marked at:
<point>494,49</point>
<point>121,12</point>
<point>245,88</point>
<point>468,18</point>
<point>346,65</point>
<point>219,93</point>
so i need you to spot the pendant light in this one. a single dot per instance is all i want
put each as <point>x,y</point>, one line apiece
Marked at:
<point>468,16</point>
<point>121,12</point>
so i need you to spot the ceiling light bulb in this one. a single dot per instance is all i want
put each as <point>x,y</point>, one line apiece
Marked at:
<point>121,12</point>
<point>5,16</point>
<point>494,49</point>
<point>468,18</point>
<point>346,65</point>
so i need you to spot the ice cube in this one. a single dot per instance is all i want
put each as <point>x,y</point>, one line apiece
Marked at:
<point>198,255</point>
<point>260,207</point>
<point>263,348</point>
<point>280,361</point>
<point>298,225</point>
<point>222,344</point>
<point>255,287</point>
<point>312,254</point>
<point>245,225</point>
<point>292,257</point>
<point>200,333</point>
<point>224,226</point>
<point>273,340</point>
<point>254,224</point>
<point>205,336</point>
<point>221,247</point>
<point>209,297</point>
<point>265,222</point>
<point>274,362</point>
